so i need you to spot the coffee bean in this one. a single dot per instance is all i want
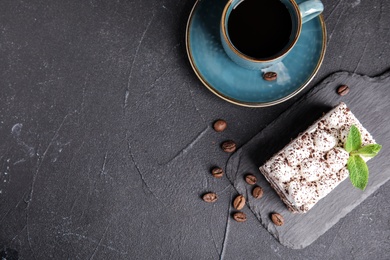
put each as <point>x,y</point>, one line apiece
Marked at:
<point>229,146</point>
<point>239,216</point>
<point>220,125</point>
<point>257,192</point>
<point>277,219</point>
<point>210,197</point>
<point>250,179</point>
<point>217,172</point>
<point>343,90</point>
<point>239,202</point>
<point>270,76</point>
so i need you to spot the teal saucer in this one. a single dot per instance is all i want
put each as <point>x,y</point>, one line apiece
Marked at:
<point>247,87</point>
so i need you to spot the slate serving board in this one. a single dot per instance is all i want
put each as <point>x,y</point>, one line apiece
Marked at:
<point>369,100</point>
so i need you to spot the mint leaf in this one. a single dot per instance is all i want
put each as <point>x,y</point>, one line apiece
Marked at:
<point>370,150</point>
<point>354,140</point>
<point>358,171</point>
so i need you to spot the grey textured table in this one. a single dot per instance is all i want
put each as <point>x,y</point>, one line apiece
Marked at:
<point>106,139</point>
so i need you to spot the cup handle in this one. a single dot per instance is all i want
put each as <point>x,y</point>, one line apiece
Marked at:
<point>310,9</point>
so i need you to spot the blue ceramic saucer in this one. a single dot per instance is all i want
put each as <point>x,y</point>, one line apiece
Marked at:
<point>247,87</point>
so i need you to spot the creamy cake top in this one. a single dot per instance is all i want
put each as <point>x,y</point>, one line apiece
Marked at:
<point>314,163</point>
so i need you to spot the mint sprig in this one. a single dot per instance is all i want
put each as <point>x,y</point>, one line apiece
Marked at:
<point>357,167</point>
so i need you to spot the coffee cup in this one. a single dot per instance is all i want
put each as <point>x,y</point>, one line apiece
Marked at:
<point>257,34</point>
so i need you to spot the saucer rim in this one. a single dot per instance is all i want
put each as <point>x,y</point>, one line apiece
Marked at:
<point>243,103</point>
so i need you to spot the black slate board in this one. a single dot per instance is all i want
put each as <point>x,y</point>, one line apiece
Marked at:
<point>369,101</point>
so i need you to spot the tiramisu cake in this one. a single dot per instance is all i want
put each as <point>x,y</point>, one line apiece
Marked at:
<point>314,163</point>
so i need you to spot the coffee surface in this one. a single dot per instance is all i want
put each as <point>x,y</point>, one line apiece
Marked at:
<point>260,28</point>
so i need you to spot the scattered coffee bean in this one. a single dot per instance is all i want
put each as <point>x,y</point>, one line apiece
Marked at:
<point>210,197</point>
<point>217,172</point>
<point>277,219</point>
<point>270,76</point>
<point>239,216</point>
<point>250,179</point>
<point>229,146</point>
<point>239,202</point>
<point>220,125</point>
<point>257,192</point>
<point>343,90</point>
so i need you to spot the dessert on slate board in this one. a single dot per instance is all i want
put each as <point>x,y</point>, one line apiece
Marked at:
<point>314,163</point>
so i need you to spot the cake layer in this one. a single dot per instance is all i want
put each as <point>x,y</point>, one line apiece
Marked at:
<point>314,163</point>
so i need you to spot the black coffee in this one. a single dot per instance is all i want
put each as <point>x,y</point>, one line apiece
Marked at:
<point>260,28</point>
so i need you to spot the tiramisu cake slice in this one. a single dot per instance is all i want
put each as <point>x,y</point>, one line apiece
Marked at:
<point>314,163</point>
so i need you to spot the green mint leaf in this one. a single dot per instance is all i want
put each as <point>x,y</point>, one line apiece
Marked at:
<point>354,140</point>
<point>369,151</point>
<point>358,171</point>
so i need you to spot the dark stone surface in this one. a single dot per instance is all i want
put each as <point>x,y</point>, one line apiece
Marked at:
<point>300,230</point>
<point>107,140</point>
